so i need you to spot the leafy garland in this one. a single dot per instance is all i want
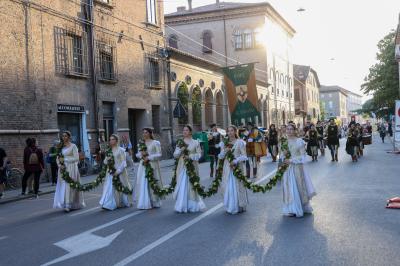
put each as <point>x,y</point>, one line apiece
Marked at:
<point>237,171</point>
<point>99,179</point>
<point>149,174</point>
<point>194,178</point>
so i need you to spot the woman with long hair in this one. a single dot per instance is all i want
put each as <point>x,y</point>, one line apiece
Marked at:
<point>187,199</point>
<point>235,194</point>
<point>68,198</point>
<point>297,186</point>
<point>145,197</point>
<point>111,197</point>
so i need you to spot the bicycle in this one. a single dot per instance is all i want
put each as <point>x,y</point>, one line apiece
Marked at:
<point>13,177</point>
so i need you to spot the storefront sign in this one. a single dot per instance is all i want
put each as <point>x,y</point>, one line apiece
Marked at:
<point>70,108</point>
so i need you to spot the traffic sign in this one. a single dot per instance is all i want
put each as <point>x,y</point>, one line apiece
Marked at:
<point>179,110</point>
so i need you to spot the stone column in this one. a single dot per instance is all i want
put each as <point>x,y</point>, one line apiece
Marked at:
<point>190,113</point>
<point>203,116</point>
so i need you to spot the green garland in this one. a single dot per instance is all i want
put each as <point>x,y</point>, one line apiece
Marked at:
<point>194,179</point>
<point>99,179</point>
<point>237,171</point>
<point>149,175</point>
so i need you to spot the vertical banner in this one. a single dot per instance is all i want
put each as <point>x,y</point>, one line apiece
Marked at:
<point>240,82</point>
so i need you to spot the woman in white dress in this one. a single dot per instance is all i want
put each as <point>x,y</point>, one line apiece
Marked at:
<point>66,197</point>
<point>111,198</point>
<point>235,194</point>
<point>145,197</point>
<point>297,186</point>
<point>187,200</point>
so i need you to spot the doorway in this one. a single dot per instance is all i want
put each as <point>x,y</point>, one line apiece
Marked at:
<point>137,121</point>
<point>71,122</point>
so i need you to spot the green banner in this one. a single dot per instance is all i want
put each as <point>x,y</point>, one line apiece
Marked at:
<point>241,89</point>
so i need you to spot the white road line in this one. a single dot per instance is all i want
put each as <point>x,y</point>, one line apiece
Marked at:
<point>83,212</point>
<point>3,237</point>
<point>173,233</point>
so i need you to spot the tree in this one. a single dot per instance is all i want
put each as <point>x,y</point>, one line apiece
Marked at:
<point>322,111</point>
<point>382,81</point>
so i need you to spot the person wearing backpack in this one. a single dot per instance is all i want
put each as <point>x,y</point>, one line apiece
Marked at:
<point>33,164</point>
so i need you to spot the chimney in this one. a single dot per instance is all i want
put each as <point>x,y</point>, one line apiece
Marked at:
<point>181,8</point>
<point>190,5</point>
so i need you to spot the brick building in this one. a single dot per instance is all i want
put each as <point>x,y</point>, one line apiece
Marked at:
<point>89,66</point>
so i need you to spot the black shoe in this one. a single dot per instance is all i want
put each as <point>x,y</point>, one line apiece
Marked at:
<point>22,194</point>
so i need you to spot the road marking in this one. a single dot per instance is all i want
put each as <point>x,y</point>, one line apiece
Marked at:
<point>86,242</point>
<point>86,211</point>
<point>3,237</point>
<point>173,233</point>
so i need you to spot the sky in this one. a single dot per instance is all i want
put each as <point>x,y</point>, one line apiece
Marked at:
<point>337,38</point>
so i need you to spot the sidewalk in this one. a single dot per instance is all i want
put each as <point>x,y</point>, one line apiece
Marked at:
<point>47,188</point>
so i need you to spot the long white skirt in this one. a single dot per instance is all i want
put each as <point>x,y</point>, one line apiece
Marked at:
<point>290,189</point>
<point>184,203</point>
<point>144,198</point>
<point>231,199</point>
<point>108,199</point>
<point>66,197</point>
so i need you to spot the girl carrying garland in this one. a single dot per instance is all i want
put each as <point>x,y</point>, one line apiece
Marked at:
<point>187,199</point>
<point>111,197</point>
<point>297,186</point>
<point>66,197</point>
<point>235,194</point>
<point>145,197</point>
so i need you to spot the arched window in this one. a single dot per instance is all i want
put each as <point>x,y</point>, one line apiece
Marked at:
<point>207,42</point>
<point>238,40</point>
<point>196,106</point>
<point>248,39</point>
<point>173,41</point>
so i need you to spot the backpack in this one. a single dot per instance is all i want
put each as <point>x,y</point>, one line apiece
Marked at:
<point>33,158</point>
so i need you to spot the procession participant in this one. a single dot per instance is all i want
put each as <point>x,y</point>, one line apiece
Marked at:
<point>321,142</point>
<point>235,194</point>
<point>360,130</point>
<point>352,143</point>
<point>65,197</point>
<point>255,149</point>
<point>282,135</point>
<point>214,138</point>
<point>333,139</point>
<point>273,142</point>
<point>352,122</point>
<point>296,183</point>
<point>111,197</point>
<point>312,144</point>
<point>187,199</point>
<point>145,197</point>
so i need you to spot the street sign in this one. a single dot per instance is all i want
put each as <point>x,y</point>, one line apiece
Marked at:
<point>179,110</point>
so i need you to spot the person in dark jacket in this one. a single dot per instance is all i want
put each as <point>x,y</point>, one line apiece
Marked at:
<point>273,142</point>
<point>214,138</point>
<point>53,152</point>
<point>33,164</point>
<point>312,143</point>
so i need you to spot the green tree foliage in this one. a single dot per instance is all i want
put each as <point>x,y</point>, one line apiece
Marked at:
<point>196,105</point>
<point>183,96</point>
<point>382,81</point>
<point>322,111</point>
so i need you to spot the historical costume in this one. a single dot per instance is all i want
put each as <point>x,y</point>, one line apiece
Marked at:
<point>255,149</point>
<point>312,144</point>
<point>235,194</point>
<point>360,140</point>
<point>187,200</point>
<point>214,138</point>
<point>145,197</point>
<point>111,198</point>
<point>352,143</point>
<point>333,141</point>
<point>297,186</point>
<point>321,142</point>
<point>273,143</point>
<point>66,197</point>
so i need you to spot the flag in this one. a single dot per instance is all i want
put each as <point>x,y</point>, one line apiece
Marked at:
<point>240,82</point>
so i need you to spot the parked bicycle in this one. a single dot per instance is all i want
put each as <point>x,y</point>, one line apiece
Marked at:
<point>13,177</point>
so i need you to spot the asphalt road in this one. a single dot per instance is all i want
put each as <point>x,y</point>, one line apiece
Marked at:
<point>350,225</point>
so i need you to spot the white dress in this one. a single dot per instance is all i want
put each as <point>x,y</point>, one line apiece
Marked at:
<point>187,200</point>
<point>65,196</point>
<point>144,194</point>
<point>235,194</point>
<point>111,198</point>
<point>297,186</point>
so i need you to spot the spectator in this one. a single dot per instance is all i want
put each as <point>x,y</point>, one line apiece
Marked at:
<point>3,163</point>
<point>33,164</point>
<point>52,160</point>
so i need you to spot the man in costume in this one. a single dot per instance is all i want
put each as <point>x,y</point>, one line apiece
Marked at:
<point>333,139</point>
<point>321,143</point>
<point>255,149</point>
<point>214,138</point>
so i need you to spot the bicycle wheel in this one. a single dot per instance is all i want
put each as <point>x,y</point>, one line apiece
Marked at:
<point>14,178</point>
